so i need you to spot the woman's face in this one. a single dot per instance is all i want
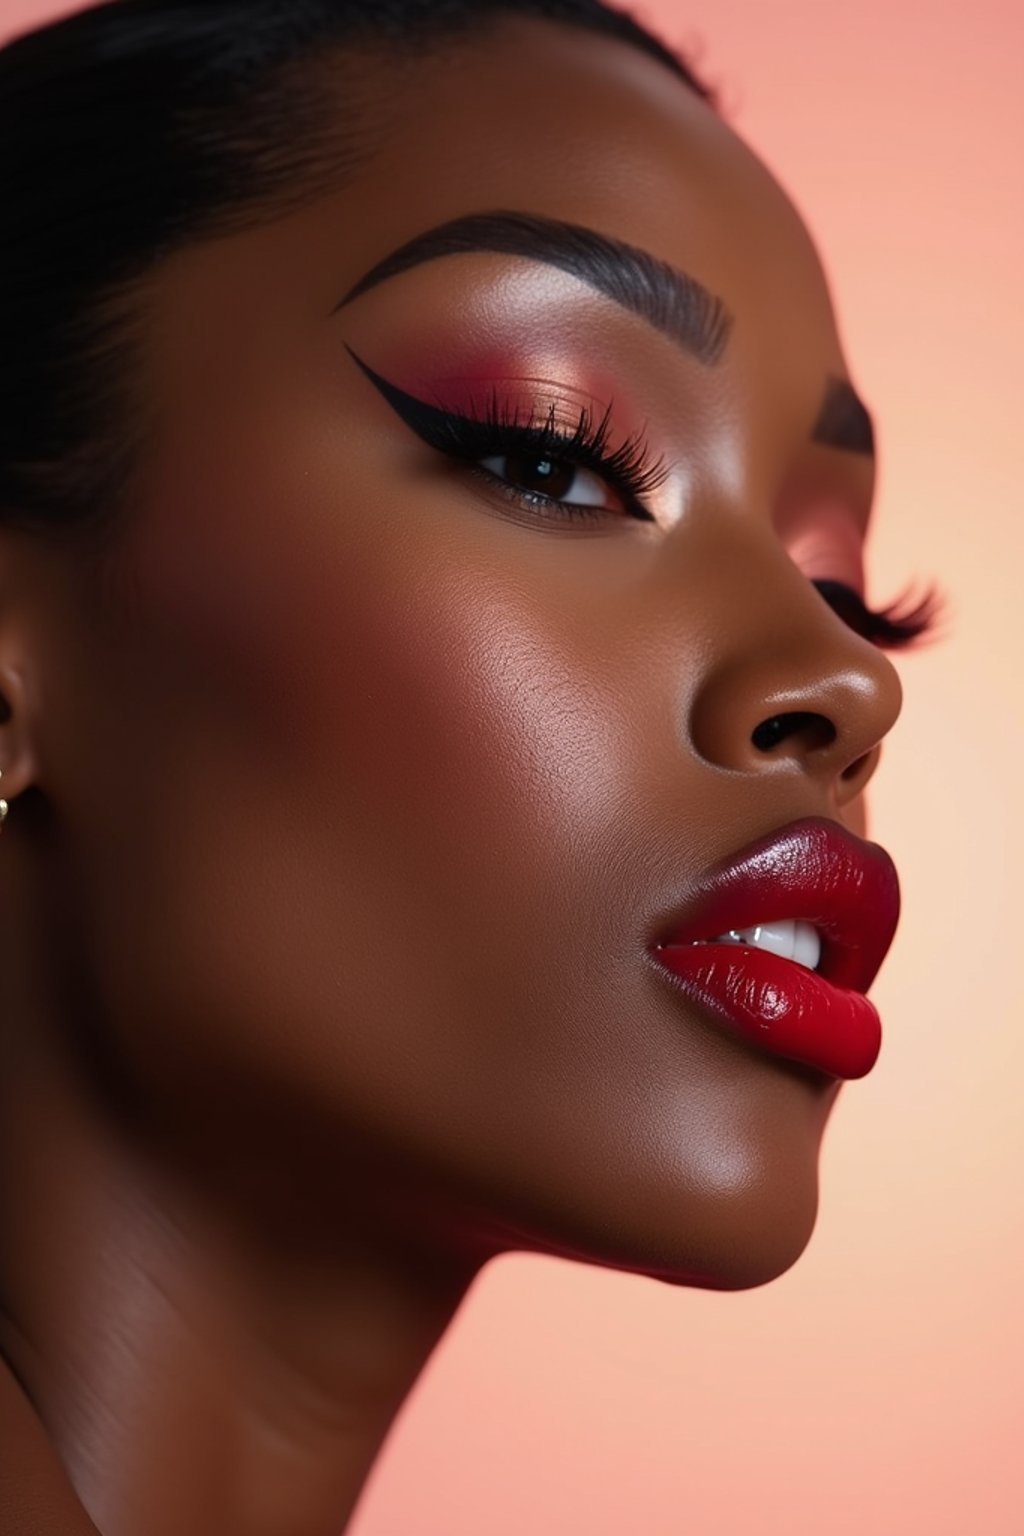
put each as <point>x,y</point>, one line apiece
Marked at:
<point>380,779</point>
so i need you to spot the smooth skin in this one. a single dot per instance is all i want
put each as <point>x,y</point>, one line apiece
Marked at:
<point>359,794</point>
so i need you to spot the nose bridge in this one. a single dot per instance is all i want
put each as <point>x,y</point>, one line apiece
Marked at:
<point>784,678</point>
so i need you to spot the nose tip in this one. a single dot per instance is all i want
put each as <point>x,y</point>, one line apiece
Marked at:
<point>820,705</point>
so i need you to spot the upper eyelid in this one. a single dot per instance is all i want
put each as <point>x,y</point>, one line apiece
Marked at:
<point>626,469</point>
<point>395,396</point>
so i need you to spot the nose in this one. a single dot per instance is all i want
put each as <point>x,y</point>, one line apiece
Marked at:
<point>788,685</point>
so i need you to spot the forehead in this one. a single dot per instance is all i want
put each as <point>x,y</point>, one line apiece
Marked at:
<point>573,124</point>
<point>554,121</point>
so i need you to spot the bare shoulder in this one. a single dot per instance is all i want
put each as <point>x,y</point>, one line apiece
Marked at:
<point>36,1494</point>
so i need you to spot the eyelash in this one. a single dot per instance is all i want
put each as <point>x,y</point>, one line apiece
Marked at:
<point>898,626</point>
<point>501,432</point>
<point>630,471</point>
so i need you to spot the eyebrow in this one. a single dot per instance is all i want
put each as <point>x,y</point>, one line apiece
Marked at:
<point>671,301</point>
<point>844,421</point>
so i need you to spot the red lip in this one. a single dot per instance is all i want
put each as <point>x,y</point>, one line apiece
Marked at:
<point>814,870</point>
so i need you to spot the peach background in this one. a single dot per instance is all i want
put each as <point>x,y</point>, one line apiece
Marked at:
<point>877,1386</point>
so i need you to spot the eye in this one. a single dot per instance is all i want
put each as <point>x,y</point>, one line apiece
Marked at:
<point>551,469</point>
<point>553,478</point>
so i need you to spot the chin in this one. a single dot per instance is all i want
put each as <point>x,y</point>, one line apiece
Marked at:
<point>747,1236</point>
<point>756,1257</point>
<point>735,1217</point>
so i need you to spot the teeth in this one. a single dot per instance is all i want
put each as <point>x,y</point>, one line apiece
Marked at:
<point>793,940</point>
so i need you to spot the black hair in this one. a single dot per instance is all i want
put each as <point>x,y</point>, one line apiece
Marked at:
<point>137,126</point>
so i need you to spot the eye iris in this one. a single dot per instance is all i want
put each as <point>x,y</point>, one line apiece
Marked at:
<point>551,477</point>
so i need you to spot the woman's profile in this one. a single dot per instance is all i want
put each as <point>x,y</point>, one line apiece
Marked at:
<point>438,699</point>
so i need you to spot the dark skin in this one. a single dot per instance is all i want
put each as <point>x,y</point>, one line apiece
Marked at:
<point>324,975</point>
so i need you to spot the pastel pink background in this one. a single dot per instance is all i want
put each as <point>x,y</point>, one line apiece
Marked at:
<point>877,1386</point>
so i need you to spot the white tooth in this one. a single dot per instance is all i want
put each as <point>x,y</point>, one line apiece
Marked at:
<point>792,940</point>
<point>807,947</point>
<point>777,938</point>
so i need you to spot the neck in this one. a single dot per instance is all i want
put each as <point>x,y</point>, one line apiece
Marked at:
<point>202,1354</point>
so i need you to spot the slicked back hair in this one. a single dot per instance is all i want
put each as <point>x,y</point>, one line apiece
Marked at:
<point>135,127</point>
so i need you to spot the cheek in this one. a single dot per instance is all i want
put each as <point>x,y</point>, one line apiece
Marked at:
<point>342,621</point>
<point>398,776</point>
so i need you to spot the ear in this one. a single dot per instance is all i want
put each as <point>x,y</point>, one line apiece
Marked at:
<point>19,718</point>
<point>18,765</point>
<point>33,603</point>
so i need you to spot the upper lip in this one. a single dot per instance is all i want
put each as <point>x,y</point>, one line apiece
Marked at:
<point>812,869</point>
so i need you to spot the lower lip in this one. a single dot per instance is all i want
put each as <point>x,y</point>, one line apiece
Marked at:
<point>779,1005</point>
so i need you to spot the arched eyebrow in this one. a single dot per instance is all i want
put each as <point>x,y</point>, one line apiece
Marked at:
<point>844,421</point>
<point>671,301</point>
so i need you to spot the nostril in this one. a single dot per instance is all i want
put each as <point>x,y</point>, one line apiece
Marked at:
<point>812,729</point>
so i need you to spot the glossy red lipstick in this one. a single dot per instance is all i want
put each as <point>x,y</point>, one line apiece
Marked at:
<point>812,870</point>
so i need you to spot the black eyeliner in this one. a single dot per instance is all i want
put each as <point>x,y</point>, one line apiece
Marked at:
<point>501,431</point>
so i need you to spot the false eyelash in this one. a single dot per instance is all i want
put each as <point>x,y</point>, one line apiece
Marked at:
<point>500,429</point>
<point>628,469</point>
<point>897,626</point>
